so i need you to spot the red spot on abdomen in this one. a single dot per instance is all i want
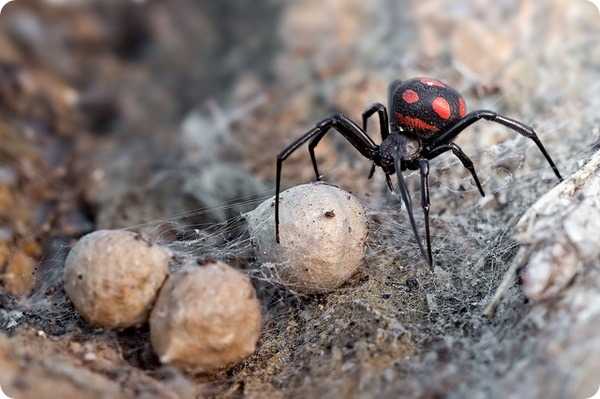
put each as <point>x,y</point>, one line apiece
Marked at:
<point>441,107</point>
<point>432,82</point>
<point>410,96</point>
<point>462,107</point>
<point>415,123</point>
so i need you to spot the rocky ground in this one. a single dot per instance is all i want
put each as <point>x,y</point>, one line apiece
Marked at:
<point>166,117</point>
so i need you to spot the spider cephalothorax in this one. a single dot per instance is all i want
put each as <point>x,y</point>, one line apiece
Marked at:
<point>426,116</point>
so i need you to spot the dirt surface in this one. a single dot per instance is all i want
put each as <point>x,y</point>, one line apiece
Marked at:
<point>166,118</point>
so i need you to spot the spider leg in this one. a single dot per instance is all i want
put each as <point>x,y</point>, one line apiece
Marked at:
<point>352,132</point>
<point>282,157</point>
<point>405,195</point>
<point>372,171</point>
<point>464,159</point>
<point>425,203</point>
<point>340,121</point>
<point>384,127</point>
<point>388,180</point>
<point>381,111</point>
<point>515,125</point>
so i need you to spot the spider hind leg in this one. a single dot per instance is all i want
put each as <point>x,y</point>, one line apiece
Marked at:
<point>526,131</point>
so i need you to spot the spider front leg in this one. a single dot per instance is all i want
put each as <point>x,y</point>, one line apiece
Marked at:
<point>399,156</point>
<point>351,132</point>
<point>463,158</point>
<point>425,204</point>
<point>524,130</point>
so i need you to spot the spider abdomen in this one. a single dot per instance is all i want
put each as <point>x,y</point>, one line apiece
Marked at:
<point>425,106</point>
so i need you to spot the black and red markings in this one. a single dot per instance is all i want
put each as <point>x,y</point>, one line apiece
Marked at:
<point>442,108</point>
<point>426,106</point>
<point>415,124</point>
<point>410,96</point>
<point>462,107</point>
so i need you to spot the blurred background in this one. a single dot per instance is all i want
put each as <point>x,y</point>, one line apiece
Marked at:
<point>121,113</point>
<point>186,104</point>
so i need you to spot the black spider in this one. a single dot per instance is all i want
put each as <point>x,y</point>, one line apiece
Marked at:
<point>427,115</point>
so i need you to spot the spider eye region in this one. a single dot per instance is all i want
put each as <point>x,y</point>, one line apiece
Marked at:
<point>426,106</point>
